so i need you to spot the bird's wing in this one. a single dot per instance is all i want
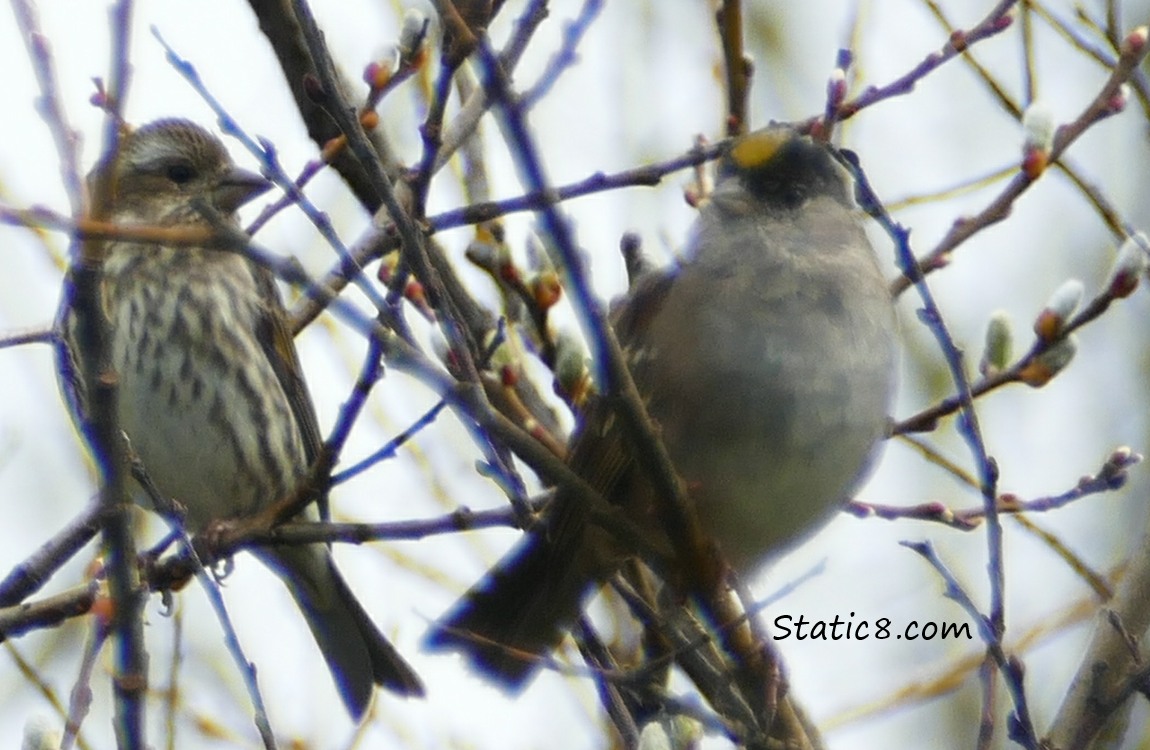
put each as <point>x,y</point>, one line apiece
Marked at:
<point>600,452</point>
<point>275,337</point>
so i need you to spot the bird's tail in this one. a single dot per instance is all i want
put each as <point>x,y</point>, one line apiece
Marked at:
<point>522,608</point>
<point>357,654</point>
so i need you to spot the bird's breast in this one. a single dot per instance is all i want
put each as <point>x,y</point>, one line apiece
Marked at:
<point>771,384</point>
<point>198,398</point>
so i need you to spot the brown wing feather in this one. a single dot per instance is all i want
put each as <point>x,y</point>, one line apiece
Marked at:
<point>275,337</point>
<point>535,593</point>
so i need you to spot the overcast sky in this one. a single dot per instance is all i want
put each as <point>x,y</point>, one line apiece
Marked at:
<point>642,89</point>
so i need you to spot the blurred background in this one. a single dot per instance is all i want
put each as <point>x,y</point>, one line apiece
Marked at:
<point>647,80</point>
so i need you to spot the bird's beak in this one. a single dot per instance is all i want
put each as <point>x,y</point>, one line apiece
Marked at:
<point>237,187</point>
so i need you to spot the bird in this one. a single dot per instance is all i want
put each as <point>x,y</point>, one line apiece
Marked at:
<point>212,397</point>
<point>766,359</point>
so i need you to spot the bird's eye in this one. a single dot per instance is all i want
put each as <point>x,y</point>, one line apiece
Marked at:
<point>180,173</point>
<point>794,196</point>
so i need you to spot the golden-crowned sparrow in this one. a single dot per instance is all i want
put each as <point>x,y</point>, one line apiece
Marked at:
<point>766,358</point>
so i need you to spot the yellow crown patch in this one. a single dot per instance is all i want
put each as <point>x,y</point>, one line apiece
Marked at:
<point>756,149</point>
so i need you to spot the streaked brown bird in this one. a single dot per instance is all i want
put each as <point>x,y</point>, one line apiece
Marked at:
<point>211,393</point>
<point>766,358</point>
